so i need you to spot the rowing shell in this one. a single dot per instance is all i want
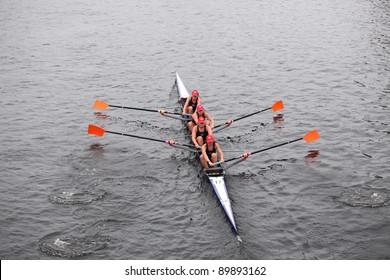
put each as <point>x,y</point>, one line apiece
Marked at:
<point>215,175</point>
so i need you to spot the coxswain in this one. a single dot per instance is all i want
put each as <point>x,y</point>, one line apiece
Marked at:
<point>210,152</point>
<point>200,132</point>
<point>191,103</point>
<point>200,112</point>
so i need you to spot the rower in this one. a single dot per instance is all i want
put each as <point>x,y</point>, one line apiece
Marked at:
<point>210,152</point>
<point>191,103</point>
<point>200,112</point>
<point>200,132</point>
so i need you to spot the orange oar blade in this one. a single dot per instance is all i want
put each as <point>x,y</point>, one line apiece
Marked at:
<point>311,136</point>
<point>93,129</point>
<point>100,105</point>
<point>278,106</point>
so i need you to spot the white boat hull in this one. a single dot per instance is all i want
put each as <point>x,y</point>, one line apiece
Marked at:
<point>217,180</point>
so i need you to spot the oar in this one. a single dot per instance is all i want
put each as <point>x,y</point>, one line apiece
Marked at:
<point>308,137</point>
<point>101,105</point>
<point>96,130</point>
<point>276,107</point>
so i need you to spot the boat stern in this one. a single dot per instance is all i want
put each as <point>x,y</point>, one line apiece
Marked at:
<point>219,186</point>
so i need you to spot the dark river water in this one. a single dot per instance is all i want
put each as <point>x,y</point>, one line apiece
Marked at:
<point>66,194</point>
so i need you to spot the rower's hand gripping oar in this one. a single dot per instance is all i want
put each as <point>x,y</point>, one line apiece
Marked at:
<point>101,105</point>
<point>96,130</point>
<point>308,137</point>
<point>276,107</point>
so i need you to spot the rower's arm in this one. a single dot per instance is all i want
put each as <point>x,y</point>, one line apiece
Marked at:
<point>205,154</point>
<point>209,131</point>
<point>186,106</point>
<point>194,136</point>
<point>220,153</point>
<point>211,120</point>
<point>195,118</point>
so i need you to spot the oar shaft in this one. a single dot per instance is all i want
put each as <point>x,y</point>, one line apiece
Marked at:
<point>136,136</point>
<point>151,139</point>
<point>186,149</point>
<point>233,164</point>
<point>254,113</point>
<point>219,128</point>
<point>269,148</point>
<point>240,118</point>
<point>246,155</point>
<point>134,108</point>
<point>143,109</point>
<point>177,118</point>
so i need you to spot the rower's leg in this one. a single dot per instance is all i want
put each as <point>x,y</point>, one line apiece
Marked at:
<point>190,126</point>
<point>190,110</point>
<point>214,157</point>
<point>203,162</point>
<point>199,139</point>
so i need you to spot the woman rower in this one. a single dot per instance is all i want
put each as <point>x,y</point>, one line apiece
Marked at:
<point>191,103</point>
<point>200,112</point>
<point>210,152</point>
<point>200,132</point>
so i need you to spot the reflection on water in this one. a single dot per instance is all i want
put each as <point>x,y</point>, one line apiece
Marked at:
<point>313,154</point>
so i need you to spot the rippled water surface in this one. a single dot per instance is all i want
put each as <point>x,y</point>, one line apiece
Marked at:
<point>67,194</point>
